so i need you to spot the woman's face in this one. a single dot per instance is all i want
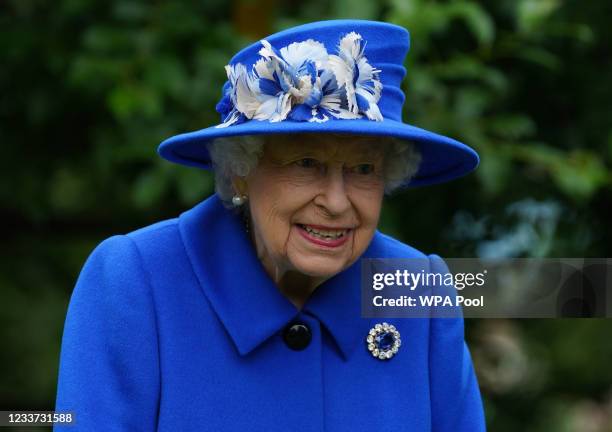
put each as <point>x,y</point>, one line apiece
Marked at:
<point>315,202</point>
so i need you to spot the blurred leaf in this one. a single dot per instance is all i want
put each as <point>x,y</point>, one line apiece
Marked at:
<point>540,56</point>
<point>533,14</point>
<point>355,9</point>
<point>420,18</point>
<point>471,101</point>
<point>511,126</point>
<point>67,191</point>
<point>103,39</point>
<point>475,17</point>
<point>148,188</point>
<point>129,100</point>
<point>495,168</point>
<point>193,185</point>
<point>578,174</point>
<point>167,76</point>
<point>581,174</point>
<point>93,74</point>
<point>127,10</point>
<point>467,67</point>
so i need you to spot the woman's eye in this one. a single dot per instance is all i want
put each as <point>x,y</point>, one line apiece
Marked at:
<point>307,163</point>
<point>364,168</point>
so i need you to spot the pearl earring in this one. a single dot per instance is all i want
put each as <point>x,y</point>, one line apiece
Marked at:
<point>239,200</point>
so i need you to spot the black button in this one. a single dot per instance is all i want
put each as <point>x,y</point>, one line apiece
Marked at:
<point>297,336</point>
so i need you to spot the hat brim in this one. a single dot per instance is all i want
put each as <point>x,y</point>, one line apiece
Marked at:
<point>443,158</point>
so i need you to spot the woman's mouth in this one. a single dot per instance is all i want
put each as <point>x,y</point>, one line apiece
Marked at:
<point>324,236</point>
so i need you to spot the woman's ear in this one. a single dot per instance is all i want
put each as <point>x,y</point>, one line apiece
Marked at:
<point>240,185</point>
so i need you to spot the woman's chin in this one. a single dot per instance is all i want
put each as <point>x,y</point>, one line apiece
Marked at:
<point>318,266</point>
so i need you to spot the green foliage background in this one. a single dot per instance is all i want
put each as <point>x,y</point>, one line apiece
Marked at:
<point>88,88</point>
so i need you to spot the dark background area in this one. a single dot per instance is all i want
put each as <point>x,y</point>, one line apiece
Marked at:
<point>89,88</point>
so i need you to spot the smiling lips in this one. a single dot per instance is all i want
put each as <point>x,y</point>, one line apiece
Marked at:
<point>324,236</point>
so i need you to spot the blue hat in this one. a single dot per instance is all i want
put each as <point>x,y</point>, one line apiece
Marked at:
<point>338,76</point>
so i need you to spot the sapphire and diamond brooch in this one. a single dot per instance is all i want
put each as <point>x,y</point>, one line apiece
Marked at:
<point>383,341</point>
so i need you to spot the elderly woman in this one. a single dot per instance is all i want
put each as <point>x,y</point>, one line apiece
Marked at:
<point>243,314</point>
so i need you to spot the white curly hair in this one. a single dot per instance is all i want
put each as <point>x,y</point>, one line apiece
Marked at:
<point>238,155</point>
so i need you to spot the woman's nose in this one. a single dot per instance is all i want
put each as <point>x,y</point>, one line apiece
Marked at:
<point>333,196</point>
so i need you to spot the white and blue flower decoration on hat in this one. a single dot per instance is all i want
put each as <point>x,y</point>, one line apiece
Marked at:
<point>336,76</point>
<point>303,82</point>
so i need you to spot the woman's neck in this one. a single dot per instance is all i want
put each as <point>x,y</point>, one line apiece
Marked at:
<point>295,286</point>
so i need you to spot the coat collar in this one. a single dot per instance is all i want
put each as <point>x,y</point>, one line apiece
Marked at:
<point>245,298</point>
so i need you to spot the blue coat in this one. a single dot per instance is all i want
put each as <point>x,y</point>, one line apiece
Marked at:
<point>177,327</point>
